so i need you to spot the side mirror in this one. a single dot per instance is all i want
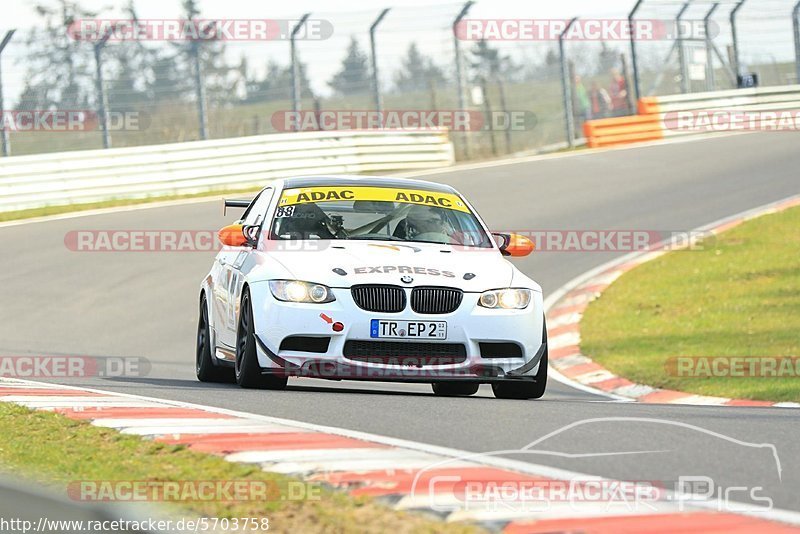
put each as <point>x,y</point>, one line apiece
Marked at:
<point>514,245</point>
<point>232,236</point>
<point>239,235</point>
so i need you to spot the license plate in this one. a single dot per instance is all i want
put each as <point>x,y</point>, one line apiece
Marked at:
<point>382,328</point>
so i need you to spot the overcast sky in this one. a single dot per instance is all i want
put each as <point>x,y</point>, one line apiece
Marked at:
<point>21,14</point>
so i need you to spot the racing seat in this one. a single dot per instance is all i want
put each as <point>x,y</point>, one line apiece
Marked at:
<point>401,230</point>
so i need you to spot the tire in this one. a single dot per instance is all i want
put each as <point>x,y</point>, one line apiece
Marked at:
<point>454,389</point>
<point>525,389</point>
<point>204,363</point>
<point>247,371</point>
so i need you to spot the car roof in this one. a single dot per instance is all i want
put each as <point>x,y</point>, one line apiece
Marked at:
<point>365,181</point>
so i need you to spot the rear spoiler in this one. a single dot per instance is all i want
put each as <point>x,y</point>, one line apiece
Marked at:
<point>235,203</point>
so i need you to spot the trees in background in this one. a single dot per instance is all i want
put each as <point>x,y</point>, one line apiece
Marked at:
<point>275,84</point>
<point>354,75</point>
<point>417,72</point>
<point>59,70</point>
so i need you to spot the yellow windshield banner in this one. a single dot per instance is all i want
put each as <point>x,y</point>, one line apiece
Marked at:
<point>437,199</point>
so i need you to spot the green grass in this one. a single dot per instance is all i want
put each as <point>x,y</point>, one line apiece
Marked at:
<point>54,450</point>
<point>739,296</point>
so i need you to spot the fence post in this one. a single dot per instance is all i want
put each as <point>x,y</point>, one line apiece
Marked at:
<point>102,97</point>
<point>566,87</point>
<point>376,88</point>
<point>711,81</point>
<point>3,131</point>
<point>462,99</point>
<point>487,106</point>
<point>682,49</point>
<point>506,116</point>
<point>296,96</point>
<point>627,75</point>
<point>796,24</point>
<point>735,37</point>
<point>634,62</point>
<point>200,89</point>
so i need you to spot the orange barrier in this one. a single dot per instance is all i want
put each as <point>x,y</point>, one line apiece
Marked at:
<point>648,105</point>
<point>623,130</point>
<point>656,114</point>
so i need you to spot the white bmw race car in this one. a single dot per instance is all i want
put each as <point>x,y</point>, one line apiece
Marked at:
<point>354,278</point>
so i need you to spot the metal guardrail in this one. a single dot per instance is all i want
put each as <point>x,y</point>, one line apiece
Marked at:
<point>787,95</point>
<point>656,116</point>
<point>202,166</point>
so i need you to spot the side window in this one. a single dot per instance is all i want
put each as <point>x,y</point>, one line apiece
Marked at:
<point>258,209</point>
<point>250,207</point>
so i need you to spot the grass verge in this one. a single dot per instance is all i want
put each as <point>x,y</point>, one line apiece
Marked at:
<point>738,296</point>
<point>54,450</point>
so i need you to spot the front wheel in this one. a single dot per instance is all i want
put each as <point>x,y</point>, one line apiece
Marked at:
<point>524,388</point>
<point>454,389</point>
<point>247,371</point>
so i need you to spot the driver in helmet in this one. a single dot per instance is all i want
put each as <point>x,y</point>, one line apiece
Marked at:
<point>426,223</point>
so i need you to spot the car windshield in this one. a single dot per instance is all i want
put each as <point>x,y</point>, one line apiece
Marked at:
<point>377,213</point>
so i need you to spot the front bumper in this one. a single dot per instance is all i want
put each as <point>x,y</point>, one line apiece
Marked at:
<point>470,326</point>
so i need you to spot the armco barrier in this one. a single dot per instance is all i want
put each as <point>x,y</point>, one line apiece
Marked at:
<point>201,166</point>
<point>649,124</point>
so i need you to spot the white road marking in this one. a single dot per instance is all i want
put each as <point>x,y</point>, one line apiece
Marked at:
<point>206,429</point>
<point>597,376</point>
<point>564,340</point>
<point>172,423</point>
<point>79,402</point>
<point>562,510</point>
<point>701,400</point>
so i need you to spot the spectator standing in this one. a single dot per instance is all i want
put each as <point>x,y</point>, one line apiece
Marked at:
<point>582,110</point>
<point>601,102</point>
<point>619,94</point>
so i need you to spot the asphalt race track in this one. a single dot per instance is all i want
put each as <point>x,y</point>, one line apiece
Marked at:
<point>55,301</point>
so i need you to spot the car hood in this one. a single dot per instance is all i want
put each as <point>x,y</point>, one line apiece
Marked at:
<point>346,263</point>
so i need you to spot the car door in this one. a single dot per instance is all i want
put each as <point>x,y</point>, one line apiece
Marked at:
<point>231,272</point>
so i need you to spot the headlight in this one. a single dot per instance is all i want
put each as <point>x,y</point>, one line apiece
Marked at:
<point>507,299</point>
<point>296,291</point>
